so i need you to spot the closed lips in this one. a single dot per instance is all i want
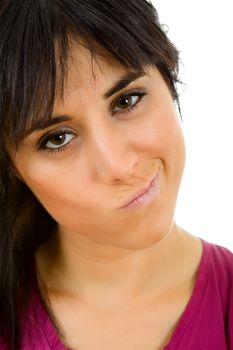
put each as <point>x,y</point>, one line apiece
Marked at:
<point>141,192</point>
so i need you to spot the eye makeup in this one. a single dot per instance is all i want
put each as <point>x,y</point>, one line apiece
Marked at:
<point>60,139</point>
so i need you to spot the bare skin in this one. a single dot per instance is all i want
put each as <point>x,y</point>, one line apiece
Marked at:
<point>115,278</point>
<point>131,302</point>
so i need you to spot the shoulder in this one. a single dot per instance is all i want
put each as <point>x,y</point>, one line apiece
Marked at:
<point>217,270</point>
<point>219,259</point>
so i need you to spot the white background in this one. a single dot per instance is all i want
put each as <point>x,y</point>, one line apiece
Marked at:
<point>203,32</point>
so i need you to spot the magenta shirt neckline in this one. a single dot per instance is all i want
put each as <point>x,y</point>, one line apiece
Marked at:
<point>192,305</point>
<point>54,341</point>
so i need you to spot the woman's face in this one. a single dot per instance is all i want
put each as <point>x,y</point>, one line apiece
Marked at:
<point>111,134</point>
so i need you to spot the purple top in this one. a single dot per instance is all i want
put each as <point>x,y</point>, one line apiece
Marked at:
<point>206,323</point>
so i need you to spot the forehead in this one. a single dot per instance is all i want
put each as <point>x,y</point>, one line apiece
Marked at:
<point>88,76</point>
<point>87,69</point>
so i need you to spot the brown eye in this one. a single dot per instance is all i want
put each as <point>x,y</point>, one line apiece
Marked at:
<point>56,140</point>
<point>126,102</point>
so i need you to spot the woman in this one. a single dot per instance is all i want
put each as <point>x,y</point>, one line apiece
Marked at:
<point>92,156</point>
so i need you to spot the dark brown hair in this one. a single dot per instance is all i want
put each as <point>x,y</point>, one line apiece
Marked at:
<point>34,51</point>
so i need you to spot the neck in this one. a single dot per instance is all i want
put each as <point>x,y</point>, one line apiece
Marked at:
<point>108,274</point>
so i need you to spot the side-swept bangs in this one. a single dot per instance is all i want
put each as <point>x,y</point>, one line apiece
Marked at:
<point>34,50</point>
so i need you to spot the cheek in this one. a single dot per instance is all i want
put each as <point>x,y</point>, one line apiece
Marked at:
<point>164,142</point>
<point>54,184</point>
<point>66,197</point>
<point>160,137</point>
<point>172,146</point>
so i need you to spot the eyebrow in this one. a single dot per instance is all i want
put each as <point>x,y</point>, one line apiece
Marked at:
<point>120,84</point>
<point>43,124</point>
<point>123,82</point>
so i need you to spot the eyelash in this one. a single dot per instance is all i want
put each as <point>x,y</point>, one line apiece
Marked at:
<point>139,93</point>
<point>45,139</point>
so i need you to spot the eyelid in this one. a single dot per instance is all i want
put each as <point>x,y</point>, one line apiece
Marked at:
<point>140,92</point>
<point>134,92</point>
<point>45,138</point>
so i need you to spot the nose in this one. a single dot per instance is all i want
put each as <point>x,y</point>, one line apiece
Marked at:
<point>111,155</point>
